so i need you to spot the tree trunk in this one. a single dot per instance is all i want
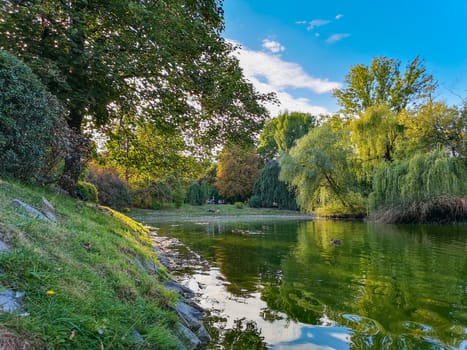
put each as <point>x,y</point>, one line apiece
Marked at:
<point>76,156</point>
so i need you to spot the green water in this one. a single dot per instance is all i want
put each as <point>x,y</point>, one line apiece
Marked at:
<point>383,287</point>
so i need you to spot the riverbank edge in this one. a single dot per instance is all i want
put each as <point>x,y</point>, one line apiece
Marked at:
<point>72,233</point>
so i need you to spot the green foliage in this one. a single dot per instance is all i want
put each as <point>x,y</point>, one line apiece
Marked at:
<point>150,194</point>
<point>270,192</point>
<point>255,201</point>
<point>239,205</point>
<point>383,83</point>
<point>420,178</point>
<point>87,191</point>
<point>238,169</point>
<point>113,191</point>
<point>321,170</point>
<point>424,178</point>
<point>178,195</point>
<point>33,134</point>
<point>86,55</point>
<point>143,153</point>
<point>198,193</point>
<point>280,133</point>
<point>376,135</point>
<point>434,125</point>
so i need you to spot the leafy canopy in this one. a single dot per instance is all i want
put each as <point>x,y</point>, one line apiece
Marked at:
<point>237,171</point>
<point>33,133</point>
<point>383,83</point>
<point>279,134</point>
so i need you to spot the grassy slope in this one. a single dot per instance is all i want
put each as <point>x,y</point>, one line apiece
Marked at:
<point>101,293</point>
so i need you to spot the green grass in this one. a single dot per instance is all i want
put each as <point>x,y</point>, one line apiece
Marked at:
<point>204,210</point>
<point>92,260</point>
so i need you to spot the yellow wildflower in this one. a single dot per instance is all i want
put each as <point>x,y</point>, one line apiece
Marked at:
<point>50,292</point>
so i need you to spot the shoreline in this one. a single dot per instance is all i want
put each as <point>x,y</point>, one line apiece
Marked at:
<point>226,217</point>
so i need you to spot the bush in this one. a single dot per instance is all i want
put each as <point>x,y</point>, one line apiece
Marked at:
<point>255,202</point>
<point>194,195</point>
<point>113,191</point>
<point>87,191</point>
<point>178,196</point>
<point>239,205</point>
<point>33,133</point>
<point>151,195</point>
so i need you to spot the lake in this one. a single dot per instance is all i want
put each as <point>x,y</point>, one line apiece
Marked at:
<point>285,285</point>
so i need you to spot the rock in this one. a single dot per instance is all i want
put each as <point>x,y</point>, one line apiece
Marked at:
<point>47,206</point>
<point>189,315</point>
<point>151,267</point>
<point>187,336</point>
<point>179,289</point>
<point>4,247</point>
<point>203,335</point>
<point>30,210</point>
<point>48,209</point>
<point>138,338</point>
<point>10,300</point>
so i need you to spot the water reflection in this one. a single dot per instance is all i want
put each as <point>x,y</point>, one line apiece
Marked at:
<point>384,287</point>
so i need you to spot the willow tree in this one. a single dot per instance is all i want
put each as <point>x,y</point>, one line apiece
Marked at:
<point>375,136</point>
<point>272,192</point>
<point>427,187</point>
<point>320,167</point>
<point>160,61</point>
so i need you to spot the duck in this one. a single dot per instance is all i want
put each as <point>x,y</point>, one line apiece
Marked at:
<point>336,241</point>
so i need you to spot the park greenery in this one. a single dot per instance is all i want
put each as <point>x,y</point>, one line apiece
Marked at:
<point>180,123</point>
<point>143,105</point>
<point>395,156</point>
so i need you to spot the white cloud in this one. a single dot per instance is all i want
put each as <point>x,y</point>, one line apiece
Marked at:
<point>339,16</point>
<point>273,46</point>
<point>317,35</point>
<point>281,74</point>
<point>337,37</point>
<point>270,73</point>
<point>301,22</point>
<point>317,23</point>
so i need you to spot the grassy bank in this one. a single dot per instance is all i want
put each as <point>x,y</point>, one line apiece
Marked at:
<point>86,279</point>
<point>211,211</point>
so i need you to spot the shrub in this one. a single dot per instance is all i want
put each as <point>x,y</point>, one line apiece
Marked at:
<point>194,195</point>
<point>86,191</point>
<point>151,195</point>
<point>255,202</point>
<point>33,133</point>
<point>178,196</point>
<point>239,205</point>
<point>113,191</point>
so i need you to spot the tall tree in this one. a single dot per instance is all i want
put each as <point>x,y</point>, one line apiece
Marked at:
<point>163,61</point>
<point>435,125</point>
<point>143,153</point>
<point>383,83</point>
<point>320,168</point>
<point>237,171</point>
<point>271,192</point>
<point>375,136</point>
<point>280,133</point>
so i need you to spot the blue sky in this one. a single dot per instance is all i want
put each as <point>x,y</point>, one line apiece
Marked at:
<point>303,49</point>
